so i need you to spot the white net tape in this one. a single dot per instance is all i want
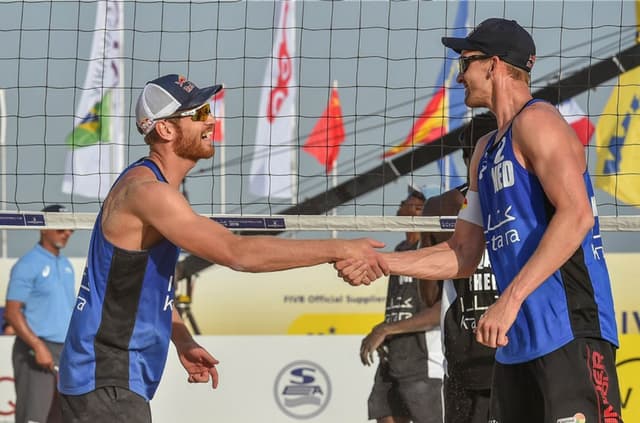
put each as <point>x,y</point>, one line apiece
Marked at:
<point>80,221</point>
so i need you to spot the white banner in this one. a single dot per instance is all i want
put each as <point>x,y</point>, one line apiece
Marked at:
<point>262,379</point>
<point>96,154</point>
<point>271,168</point>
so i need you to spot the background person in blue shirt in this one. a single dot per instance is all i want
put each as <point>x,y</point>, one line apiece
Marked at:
<point>40,300</point>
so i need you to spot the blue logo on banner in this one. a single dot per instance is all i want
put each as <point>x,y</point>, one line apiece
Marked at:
<point>302,389</point>
<point>447,223</point>
<point>20,219</point>
<point>251,222</point>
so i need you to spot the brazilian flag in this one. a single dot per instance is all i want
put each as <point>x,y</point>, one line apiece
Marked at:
<point>94,127</point>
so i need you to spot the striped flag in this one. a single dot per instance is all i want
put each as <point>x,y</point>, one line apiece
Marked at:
<point>271,167</point>
<point>444,112</point>
<point>96,145</point>
<point>430,126</point>
<point>618,141</point>
<point>578,120</point>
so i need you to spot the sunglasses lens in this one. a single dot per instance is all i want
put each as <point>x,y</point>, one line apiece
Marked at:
<point>463,64</point>
<point>202,114</point>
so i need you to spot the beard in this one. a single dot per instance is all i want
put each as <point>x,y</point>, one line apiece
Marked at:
<point>191,150</point>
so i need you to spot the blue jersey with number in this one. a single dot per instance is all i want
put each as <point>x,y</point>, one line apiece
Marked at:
<point>121,325</point>
<point>576,300</point>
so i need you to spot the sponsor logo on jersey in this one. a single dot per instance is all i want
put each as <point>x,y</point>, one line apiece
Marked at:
<point>498,239</point>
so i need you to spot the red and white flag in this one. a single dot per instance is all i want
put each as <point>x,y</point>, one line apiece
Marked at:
<point>271,167</point>
<point>217,108</point>
<point>578,120</point>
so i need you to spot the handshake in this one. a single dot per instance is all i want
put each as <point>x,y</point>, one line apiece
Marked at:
<point>360,263</point>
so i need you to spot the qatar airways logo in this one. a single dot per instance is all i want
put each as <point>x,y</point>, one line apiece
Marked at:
<point>499,233</point>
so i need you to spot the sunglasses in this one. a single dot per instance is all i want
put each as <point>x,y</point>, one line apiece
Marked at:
<point>200,114</point>
<point>464,61</point>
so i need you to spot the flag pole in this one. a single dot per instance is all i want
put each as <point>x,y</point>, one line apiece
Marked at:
<point>223,173</point>
<point>334,171</point>
<point>3,181</point>
<point>223,191</point>
<point>117,151</point>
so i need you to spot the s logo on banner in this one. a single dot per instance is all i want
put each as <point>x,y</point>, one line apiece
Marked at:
<point>302,389</point>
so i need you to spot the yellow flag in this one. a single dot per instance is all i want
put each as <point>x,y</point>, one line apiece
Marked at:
<point>618,141</point>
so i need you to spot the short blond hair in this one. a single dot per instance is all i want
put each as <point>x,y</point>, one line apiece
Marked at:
<point>518,74</point>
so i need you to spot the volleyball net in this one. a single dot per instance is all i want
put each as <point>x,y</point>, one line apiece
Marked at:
<point>330,109</point>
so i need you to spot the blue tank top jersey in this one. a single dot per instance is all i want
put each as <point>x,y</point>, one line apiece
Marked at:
<point>575,301</point>
<point>121,325</point>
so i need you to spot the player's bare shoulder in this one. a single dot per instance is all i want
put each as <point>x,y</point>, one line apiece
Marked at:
<point>535,119</point>
<point>121,212</point>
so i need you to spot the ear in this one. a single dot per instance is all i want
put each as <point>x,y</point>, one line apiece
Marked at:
<point>166,129</point>
<point>494,63</point>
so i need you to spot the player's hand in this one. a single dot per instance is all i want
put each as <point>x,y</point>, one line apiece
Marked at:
<point>353,271</point>
<point>364,250</point>
<point>372,343</point>
<point>494,324</point>
<point>199,364</point>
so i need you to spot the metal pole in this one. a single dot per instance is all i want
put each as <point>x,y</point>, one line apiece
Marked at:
<point>3,165</point>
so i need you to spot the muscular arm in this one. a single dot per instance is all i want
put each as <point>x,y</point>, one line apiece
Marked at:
<point>548,148</point>
<point>556,156</point>
<point>162,208</point>
<point>454,255</point>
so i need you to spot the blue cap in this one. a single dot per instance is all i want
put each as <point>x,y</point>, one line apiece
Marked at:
<point>167,95</point>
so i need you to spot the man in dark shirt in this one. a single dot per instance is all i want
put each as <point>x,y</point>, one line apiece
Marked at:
<point>409,377</point>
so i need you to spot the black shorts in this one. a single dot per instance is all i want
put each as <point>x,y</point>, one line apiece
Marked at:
<point>420,399</point>
<point>575,383</point>
<point>463,405</point>
<point>108,404</point>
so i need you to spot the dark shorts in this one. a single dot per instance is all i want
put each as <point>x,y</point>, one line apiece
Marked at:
<point>420,400</point>
<point>108,404</point>
<point>462,405</point>
<point>573,383</point>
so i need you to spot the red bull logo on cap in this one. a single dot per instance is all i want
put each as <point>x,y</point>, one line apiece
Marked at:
<point>184,83</point>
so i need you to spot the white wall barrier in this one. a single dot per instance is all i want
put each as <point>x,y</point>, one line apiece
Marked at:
<point>262,379</point>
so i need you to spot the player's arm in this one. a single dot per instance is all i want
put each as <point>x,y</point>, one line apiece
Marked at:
<point>547,146</point>
<point>165,209</point>
<point>456,257</point>
<point>556,156</point>
<point>199,364</point>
